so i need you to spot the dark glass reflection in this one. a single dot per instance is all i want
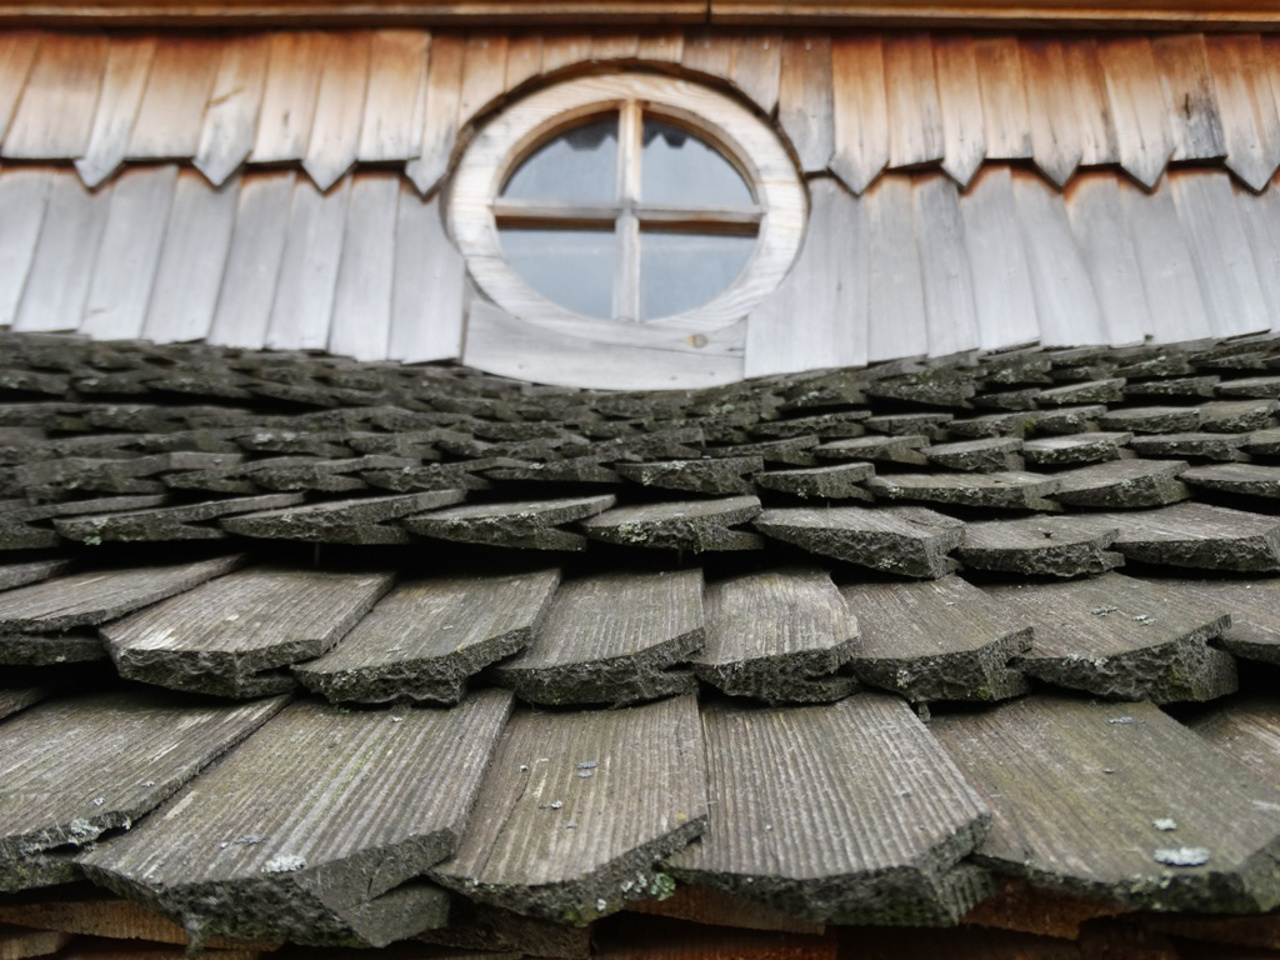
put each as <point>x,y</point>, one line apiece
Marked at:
<point>678,169</point>
<point>578,166</point>
<point>573,268</point>
<point>681,271</point>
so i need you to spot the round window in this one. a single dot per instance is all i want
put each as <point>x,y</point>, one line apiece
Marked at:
<point>629,198</point>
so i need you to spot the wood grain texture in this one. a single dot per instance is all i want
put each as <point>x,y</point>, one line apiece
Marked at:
<point>429,285</point>
<point>24,195</point>
<point>1004,98</point>
<point>304,293</point>
<point>440,118</point>
<point>360,325</point>
<point>816,799</point>
<point>393,105</point>
<point>1007,490</point>
<point>17,56</point>
<point>483,69</point>
<point>1200,536</point>
<point>1055,132</point>
<point>1246,106</point>
<point>426,638</point>
<point>1139,108</point>
<point>1098,141</point>
<point>524,61</point>
<point>113,919</point>
<point>779,636</point>
<point>1123,484</point>
<point>14,699</point>
<point>345,808</point>
<point>289,97</point>
<point>1122,638</point>
<point>1038,762</point>
<point>31,571</point>
<point>193,257</point>
<point>860,112</point>
<point>707,51</point>
<point>611,638</point>
<point>339,113</point>
<point>123,83</point>
<point>937,640</point>
<point>916,135</point>
<point>171,113</point>
<point>231,117</point>
<point>1040,546</point>
<point>1260,217</point>
<point>164,524</point>
<point>897,324</point>
<point>55,115</point>
<point>1003,293</point>
<point>756,68</point>
<point>254,260</point>
<point>805,99</point>
<point>959,96</point>
<point>948,280</point>
<point>357,522</point>
<point>1252,634</point>
<point>578,807</point>
<point>19,943</point>
<point>1195,122</point>
<point>1102,236</point>
<point>700,526</point>
<point>525,525</point>
<point>128,751</point>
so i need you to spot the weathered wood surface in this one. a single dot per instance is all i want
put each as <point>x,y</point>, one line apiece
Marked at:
<point>13,699</point>
<point>896,316</point>
<point>1006,490</point>
<point>612,638</point>
<point>439,119</point>
<point>1004,297</point>
<point>1041,546</point>
<point>1253,633</point>
<point>231,636</point>
<point>1092,800</point>
<point>937,640</point>
<point>1247,729</point>
<point>1184,71</point>
<point>303,302</point>
<point>118,756</point>
<point>28,528</point>
<point>696,525</point>
<point>1138,107</point>
<point>124,80</point>
<point>365,521</point>
<point>360,325</point>
<point>1123,484</point>
<point>989,455</point>
<point>716,476</point>
<point>293,827</point>
<point>426,638</point>
<point>717,908</point>
<point>111,919</point>
<point>393,104</point>
<point>480,926</point>
<point>1118,637</point>
<point>805,99</point>
<point>1243,479</point>
<point>960,100</point>
<point>1200,536</point>
<point>339,111</point>
<point>526,525</point>
<point>909,541</point>
<point>849,812</point>
<point>578,807</point>
<point>55,114</point>
<point>231,118</point>
<point>32,571</point>
<point>427,301</point>
<point>860,112</point>
<point>948,280</point>
<point>168,121</point>
<point>168,523</point>
<point>18,943</point>
<point>779,636</point>
<point>899,449</point>
<point>1076,448</point>
<point>289,96</point>
<point>23,196</point>
<point>840,482</point>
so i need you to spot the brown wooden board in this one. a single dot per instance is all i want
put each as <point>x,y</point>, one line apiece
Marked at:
<point>805,99</point>
<point>289,96</point>
<point>231,118</point>
<point>18,943</point>
<point>171,111</point>
<point>111,918</point>
<point>1118,637</point>
<point>717,908</point>
<point>612,638</point>
<point>1138,107</point>
<point>340,100</point>
<point>578,807</point>
<point>937,640</point>
<point>397,74</point>
<point>55,114</point>
<point>426,638</point>
<point>77,767</point>
<point>365,521</point>
<point>318,823</point>
<point>524,525</point>
<point>123,82</point>
<point>809,813</point>
<point>1200,536</point>
<point>696,525</point>
<point>1041,546</point>
<point>779,636</point>
<point>231,636</point>
<point>1083,796</point>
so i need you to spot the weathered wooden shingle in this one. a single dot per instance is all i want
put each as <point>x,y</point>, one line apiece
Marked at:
<point>1094,799</point>
<point>168,523</point>
<point>1248,729</point>
<point>79,766</point>
<point>425,638</point>
<point>1242,479</point>
<point>1116,636</point>
<point>348,521</point>
<point>1041,546</point>
<point>33,571</point>
<point>578,807</point>
<point>315,828</point>
<point>1008,490</point>
<point>716,476</point>
<point>849,813</point>
<point>1123,484</point>
<point>840,482</point>
<point>1076,448</point>
<point>1200,536</point>
<point>779,636</point>
<point>525,525</point>
<point>937,640</point>
<point>1254,633</point>
<point>696,525</point>
<point>232,636</point>
<point>612,638</point>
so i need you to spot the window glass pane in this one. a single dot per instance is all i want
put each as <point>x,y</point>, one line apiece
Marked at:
<point>679,169</point>
<point>680,271</point>
<point>573,268</point>
<point>578,166</point>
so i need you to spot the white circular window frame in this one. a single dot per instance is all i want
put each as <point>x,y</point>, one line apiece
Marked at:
<point>511,136</point>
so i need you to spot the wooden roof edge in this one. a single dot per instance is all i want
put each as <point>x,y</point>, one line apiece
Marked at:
<point>1171,15</point>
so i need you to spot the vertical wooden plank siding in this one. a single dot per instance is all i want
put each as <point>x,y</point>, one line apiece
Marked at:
<point>805,99</point>
<point>253,261</point>
<point>1004,300</point>
<point>17,54</point>
<point>397,71</point>
<point>963,127</point>
<point>439,122</point>
<point>1166,261</point>
<point>130,250</point>
<point>897,325</point>
<point>483,71</point>
<point>289,98</point>
<point>566,49</point>
<point>231,119</point>
<point>1184,70</point>
<point>860,111</point>
<point>24,192</point>
<point>915,112</point>
<point>192,260</point>
<point>58,282</point>
<point>707,51</point>
<point>1065,302</point>
<point>1098,221</point>
<point>361,325</point>
<point>430,277</point>
<point>1093,107</point>
<point>614,46</point>
<point>55,114</point>
<point>757,66</point>
<point>128,66</point>
<point>524,60</point>
<point>948,282</point>
<point>309,269</point>
<point>1004,98</point>
<point>171,114</point>
<point>1260,217</point>
<point>827,286</point>
<point>335,130</point>
<point>1250,123</point>
<point>1223,261</point>
<point>1055,127</point>
<point>664,46</point>
<point>1138,107</point>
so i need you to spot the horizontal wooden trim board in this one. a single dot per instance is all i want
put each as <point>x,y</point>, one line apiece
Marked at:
<point>1053,14</point>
